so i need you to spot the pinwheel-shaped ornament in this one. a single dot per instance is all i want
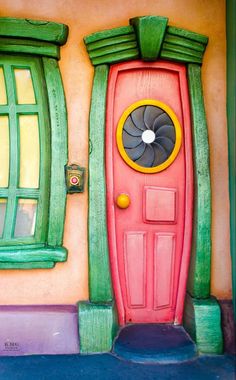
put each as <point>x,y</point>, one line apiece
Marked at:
<point>148,136</point>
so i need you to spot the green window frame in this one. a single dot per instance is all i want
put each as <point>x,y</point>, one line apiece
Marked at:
<point>36,50</point>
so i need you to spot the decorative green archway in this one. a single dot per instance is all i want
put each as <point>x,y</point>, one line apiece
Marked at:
<point>148,38</point>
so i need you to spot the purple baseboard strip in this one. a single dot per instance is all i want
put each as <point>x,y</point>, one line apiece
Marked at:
<point>39,329</point>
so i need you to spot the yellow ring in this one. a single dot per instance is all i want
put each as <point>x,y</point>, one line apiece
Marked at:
<point>170,113</point>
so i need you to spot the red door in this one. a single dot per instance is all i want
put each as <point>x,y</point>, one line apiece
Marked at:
<point>149,189</point>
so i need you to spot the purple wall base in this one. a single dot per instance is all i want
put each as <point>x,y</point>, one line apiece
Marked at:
<point>29,330</point>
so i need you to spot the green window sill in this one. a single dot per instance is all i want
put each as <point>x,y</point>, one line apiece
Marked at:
<point>32,258</point>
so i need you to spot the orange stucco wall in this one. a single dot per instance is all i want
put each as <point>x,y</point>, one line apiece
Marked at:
<point>67,282</point>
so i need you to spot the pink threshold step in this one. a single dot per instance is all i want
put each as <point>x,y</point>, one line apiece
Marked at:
<point>28,330</point>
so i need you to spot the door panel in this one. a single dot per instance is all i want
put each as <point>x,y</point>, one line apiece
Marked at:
<point>160,205</point>
<point>164,249</point>
<point>147,236</point>
<point>135,268</point>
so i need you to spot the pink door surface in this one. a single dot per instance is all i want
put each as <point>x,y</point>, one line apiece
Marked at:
<point>149,189</point>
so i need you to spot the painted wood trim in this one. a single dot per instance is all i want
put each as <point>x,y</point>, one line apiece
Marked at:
<point>97,327</point>
<point>231,119</point>
<point>154,39</point>
<point>200,271</point>
<point>120,56</point>
<point>150,31</point>
<point>99,269</point>
<point>19,254</point>
<point>28,265</point>
<point>13,45</point>
<point>13,192</point>
<point>202,320</point>
<point>109,33</point>
<point>59,154</point>
<point>188,34</point>
<point>34,29</point>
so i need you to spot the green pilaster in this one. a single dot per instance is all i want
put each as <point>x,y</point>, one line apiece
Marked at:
<point>231,116</point>
<point>97,327</point>
<point>99,270</point>
<point>150,31</point>
<point>199,275</point>
<point>202,320</point>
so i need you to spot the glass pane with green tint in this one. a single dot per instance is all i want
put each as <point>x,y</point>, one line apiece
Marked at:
<point>29,151</point>
<point>4,151</point>
<point>3,205</point>
<point>3,94</point>
<point>25,217</point>
<point>24,86</point>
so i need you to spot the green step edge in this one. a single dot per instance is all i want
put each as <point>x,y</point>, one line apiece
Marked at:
<point>97,327</point>
<point>202,320</point>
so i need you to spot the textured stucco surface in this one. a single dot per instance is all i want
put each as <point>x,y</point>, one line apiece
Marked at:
<point>67,282</point>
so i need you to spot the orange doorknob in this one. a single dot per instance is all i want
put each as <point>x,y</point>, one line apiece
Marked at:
<point>123,200</point>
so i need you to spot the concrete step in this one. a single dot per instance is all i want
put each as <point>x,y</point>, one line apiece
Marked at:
<point>154,343</point>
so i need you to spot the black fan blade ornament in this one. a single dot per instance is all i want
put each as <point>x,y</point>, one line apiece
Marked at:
<point>148,149</point>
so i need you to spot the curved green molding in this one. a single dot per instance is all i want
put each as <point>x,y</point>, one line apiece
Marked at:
<point>27,36</point>
<point>231,116</point>
<point>59,154</point>
<point>147,37</point>
<point>34,29</point>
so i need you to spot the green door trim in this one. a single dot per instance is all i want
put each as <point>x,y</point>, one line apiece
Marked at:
<point>147,38</point>
<point>107,47</point>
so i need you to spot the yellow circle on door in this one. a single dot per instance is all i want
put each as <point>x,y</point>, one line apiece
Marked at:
<point>145,147</point>
<point>123,201</point>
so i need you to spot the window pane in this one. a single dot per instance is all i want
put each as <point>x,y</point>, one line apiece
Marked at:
<point>29,151</point>
<point>24,86</point>
<point>3,94</point>
<point>4,151</point>
<point>3,204</point>
<point>25,217</point>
